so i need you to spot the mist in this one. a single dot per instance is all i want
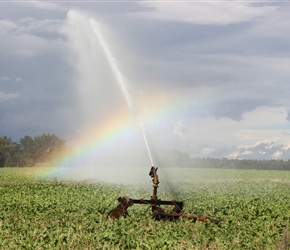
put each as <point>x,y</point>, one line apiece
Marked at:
<point>110,119</point>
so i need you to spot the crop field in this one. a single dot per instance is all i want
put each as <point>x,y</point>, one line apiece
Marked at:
<point>253,207</point>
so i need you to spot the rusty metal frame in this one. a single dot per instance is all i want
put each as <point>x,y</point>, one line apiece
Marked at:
<point>158,212</point>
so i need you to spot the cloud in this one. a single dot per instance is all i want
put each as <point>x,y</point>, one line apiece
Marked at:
<point>216,71</point>
<point>274,25</point>
<point>178,128</point>
<point>235,108</point>
<point>288,114</point>
<point>31,25</point>
<point>7,26</point>
<point>37,37</point>
<point>25,53</point>
<point>18,79</point>
<point>7,96</point>
<point>232,138</point>
<point>206,151</point>
<point>213,13</point>
<point>33,53</point>
<point>266,61</point>
<point>9,79</point>
<point>263,123</point>
<point>5,78</point>
<point>41,5</point>
<point>263,150</point>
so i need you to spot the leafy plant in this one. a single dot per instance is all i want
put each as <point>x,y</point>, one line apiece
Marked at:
<point>55,214</point>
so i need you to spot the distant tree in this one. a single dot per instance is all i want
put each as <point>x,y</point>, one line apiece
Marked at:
<point>30,151</point>
<point>41,148</point>
<point>7,152</point>
<point>26,150</point>
<point>49,146</point>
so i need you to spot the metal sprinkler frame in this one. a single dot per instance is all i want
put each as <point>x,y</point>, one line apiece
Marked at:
<point>158,212</point>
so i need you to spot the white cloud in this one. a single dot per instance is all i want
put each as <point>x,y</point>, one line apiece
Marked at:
<point>247,152</point>
<point>7,96</point>
<point>262,150</point>
<point>277,154</point>
<point>178,128</point>
<point>213,13</point>
<point>262,125</point>
<point>206,151</point>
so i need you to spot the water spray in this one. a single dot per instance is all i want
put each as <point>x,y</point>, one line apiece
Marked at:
<point>125,202</point>
<point>121,81</point>
<point>145,140</point>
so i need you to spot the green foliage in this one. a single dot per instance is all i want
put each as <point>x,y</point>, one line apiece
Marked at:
<point>176,158</point>
<point>44,146</point>
<point>47,148</point>
<point>54,214</point>
<point>241,164</point>
<point>7,151</point>
<point>30,151</point>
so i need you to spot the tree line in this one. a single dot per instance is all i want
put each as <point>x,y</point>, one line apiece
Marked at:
<point>175,158</point>
<point>226,163</point>
<point>30,151</point>
<point>45,148</point>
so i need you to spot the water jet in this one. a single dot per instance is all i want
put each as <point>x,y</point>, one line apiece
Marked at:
<point>159,213</point>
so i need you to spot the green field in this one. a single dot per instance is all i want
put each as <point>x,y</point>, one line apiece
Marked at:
<point>253,206</point>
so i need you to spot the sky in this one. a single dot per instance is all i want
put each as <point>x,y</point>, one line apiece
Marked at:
<point>209,78</point>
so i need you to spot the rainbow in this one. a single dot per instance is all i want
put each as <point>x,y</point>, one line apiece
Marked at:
<point>94,141</point>
<point>159,111</point>
<point>115,129</point>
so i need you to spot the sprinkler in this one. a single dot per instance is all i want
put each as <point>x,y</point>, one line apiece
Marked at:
<point>158,212</point>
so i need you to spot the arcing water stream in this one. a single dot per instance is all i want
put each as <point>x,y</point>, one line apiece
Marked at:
<point>121,81</point>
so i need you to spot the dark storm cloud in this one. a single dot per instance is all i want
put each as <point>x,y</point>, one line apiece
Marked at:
<point>42,99</point>
<point>35,77</point>
<point>178,52</point>
<point>45,100</point>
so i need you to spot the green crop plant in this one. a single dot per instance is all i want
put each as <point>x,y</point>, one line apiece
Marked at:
<point>61,214</point>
